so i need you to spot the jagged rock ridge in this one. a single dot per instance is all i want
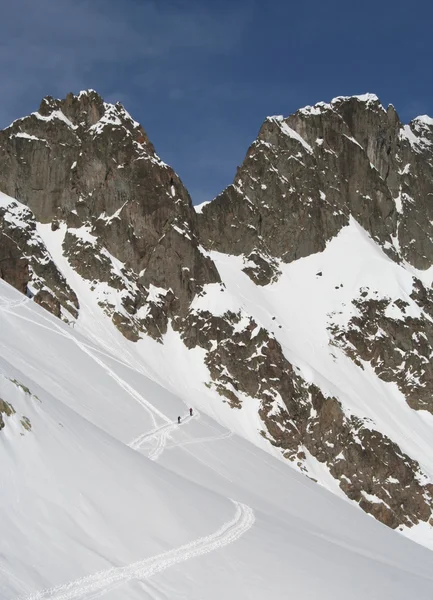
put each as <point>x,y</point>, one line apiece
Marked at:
<point>305,175</point>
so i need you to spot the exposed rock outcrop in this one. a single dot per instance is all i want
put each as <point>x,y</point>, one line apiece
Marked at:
<point>396,339</point>
<point>26,264</point>
<point>5,409</point>
<point>245,362</point>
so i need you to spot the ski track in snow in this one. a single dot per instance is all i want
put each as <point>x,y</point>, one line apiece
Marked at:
<point>121,382</point>
<point>141,438</point>
<point>161,434</point>
<point>85,348</point>
<point>5,307</point>
<point>102,582</point>
<point>13,303</point>
<point>214,438</point>
<point>21,583</point>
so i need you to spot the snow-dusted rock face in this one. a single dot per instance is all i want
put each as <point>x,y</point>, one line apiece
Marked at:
<point>246,361</point>
<point>306,174</point>
<point>26,264</point>
<point>298,287</point>
<point>130,221</point>
<point>396,338</point>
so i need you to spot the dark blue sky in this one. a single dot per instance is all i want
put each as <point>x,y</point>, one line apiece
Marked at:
<point>202,76</point>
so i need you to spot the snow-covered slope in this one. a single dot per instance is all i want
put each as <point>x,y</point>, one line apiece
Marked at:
<point>86,516</point>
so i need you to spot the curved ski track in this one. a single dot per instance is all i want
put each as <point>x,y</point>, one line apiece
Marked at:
<point>102,581</point>
<point>85,348</point>
<point>161,434</point>
<point>13,303</point>
<point>214,438</point>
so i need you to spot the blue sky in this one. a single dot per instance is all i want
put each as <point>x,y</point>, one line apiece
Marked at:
<point>202,76</point>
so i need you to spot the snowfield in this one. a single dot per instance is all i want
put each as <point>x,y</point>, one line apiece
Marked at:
<point>103,494</point>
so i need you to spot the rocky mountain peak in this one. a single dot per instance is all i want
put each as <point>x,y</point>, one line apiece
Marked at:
<point>85,110</point>
<point>87,164</point>
<point>363,101</point>
<point>45,151</point>
<point>364,119</point>
<point>306,174</point>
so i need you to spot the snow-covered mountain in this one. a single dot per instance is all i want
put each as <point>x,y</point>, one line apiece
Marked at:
<point>293,313</point>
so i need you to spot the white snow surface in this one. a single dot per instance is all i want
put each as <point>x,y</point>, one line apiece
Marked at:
<point>26,136</point>
<point>107,496</point>
<point>425,119</point>
<point>199,207</point>
<point>58,115</point>
<point>367,98</point>
<point>319,107</point>
<point>211,516</point>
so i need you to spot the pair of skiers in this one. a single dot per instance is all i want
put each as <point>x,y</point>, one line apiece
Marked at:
<point>190,414</point>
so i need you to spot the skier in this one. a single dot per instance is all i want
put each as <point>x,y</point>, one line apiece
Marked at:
<point>190,412</point>
<point>178,420</point>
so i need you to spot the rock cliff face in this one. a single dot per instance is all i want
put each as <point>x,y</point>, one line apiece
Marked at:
<point>26,264</point>
<point>85,171</point>
<point>307,174</point>
<point>130,221</point>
